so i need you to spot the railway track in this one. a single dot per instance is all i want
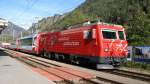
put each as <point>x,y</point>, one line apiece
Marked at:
<point>43,65</point>
<point>134,75</point>
<point>96,80</point>
<point>99,79</point>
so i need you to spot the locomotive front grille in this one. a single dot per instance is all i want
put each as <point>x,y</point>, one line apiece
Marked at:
<point>115,61</point>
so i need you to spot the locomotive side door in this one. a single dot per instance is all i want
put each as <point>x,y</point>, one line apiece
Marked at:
<point>90,43</point>
<point>35,45</point>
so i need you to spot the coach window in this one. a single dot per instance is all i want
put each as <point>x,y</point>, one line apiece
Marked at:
<point>121,35</point>
<point>26,42</point>
<point>109,34</point>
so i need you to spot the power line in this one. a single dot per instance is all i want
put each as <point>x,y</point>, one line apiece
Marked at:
<point>30,3</point>
<point>30,7</point>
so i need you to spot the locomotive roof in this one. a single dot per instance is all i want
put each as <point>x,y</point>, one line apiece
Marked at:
<point>90,23</point>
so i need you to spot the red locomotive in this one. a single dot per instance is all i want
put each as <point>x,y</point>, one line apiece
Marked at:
<point>98,43</point>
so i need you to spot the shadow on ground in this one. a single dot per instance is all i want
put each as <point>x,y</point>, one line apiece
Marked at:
<point>2,53</point>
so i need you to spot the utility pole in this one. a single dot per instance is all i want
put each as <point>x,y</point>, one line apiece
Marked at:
<point>13,34</point>
<point>21,34</point>
<point>36,28</point>
<point>5,38</point>
<point>2,37</point>
<point>32,31</point>
<point>36,23</point>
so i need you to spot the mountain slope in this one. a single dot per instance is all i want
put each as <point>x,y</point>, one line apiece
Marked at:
<point>7,33</point>
<point>46,23</point>
<point>134,15</point>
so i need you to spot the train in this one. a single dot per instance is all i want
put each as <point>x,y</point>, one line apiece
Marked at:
<point>100,44</point>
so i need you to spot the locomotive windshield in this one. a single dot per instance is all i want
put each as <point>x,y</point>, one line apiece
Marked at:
<point>109,34</point>
<point>121,35</point>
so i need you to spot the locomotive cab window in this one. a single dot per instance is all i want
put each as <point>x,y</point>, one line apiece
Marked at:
<point>121,35</point>
<point>87,34</point>
<point>109,34</point>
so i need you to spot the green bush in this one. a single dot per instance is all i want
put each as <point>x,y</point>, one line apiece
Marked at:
<point>148,67</point>
<point>132,64</point>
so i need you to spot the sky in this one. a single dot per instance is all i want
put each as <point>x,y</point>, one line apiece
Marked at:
<point>26,12</point>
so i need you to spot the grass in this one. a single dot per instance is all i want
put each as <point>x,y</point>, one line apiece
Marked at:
<point>137,65</point>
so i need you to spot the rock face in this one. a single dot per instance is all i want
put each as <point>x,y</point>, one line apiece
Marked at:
<point>46,23</point>
<point>12,28</point>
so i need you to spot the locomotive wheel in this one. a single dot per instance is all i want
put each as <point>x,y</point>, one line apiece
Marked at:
<point>42,54</point>
<point>52,55</point>
<point>49,55</point>
<point>45,54</point>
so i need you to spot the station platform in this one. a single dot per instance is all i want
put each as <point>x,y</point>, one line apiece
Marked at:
<point>13,71</point>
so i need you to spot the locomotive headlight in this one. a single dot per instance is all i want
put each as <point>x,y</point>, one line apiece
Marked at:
<point>106,49</point>
<point>125,50</point>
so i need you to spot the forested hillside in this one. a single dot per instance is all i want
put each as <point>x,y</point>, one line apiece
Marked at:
<point>134,15</point>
